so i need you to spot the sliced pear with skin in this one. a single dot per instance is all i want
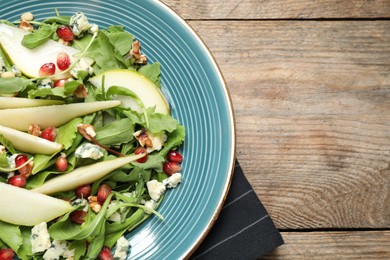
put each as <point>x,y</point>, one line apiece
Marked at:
<point>149,94</point>
<point>45,116</point>
<point>29,61</point>
<point>17,102</point>
<point>84,175</point>
<point>29,143</point>
<point>26,208</point>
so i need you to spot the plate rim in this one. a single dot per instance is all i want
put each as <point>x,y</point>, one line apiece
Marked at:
<point>229,100</point>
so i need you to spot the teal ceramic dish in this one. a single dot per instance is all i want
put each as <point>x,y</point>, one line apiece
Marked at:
<point>199,99</point>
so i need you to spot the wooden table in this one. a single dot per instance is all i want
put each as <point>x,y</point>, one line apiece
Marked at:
<point>310,84</point>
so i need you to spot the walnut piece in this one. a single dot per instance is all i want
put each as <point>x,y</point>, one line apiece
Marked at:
<point>34,130</point>
<point>94,204</point>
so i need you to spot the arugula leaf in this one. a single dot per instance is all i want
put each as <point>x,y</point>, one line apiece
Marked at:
<point>175,139</point>
<point>64,20</point>
<point>101,50</point>
<point>3,160</point>
<point>38,37</point>
<point>11,235</point>
<point>12,85</point>
<point>68,132</point>
<point>116,132</point>
<point>62,92</point>
<point>24,251</point>
<point>7,144</point>
<point>41,162</point>
<point>152,72</point>
<point>121,41</point>
<point>64,229</point>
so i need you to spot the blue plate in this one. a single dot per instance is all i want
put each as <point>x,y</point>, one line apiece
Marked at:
<point>200,101</point>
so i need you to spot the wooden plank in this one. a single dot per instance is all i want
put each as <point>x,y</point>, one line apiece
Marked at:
<point>283,9</point>
<point>334,245</point>
<point>312,102</point>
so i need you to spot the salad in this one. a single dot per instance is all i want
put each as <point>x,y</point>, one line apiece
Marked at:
<point>88,147</point>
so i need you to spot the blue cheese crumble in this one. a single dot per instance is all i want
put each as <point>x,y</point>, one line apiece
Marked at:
<point>57,250</point>
<point>173,180</point>
<point>122,247</point>
<point>88,150</point>
<point>40,238</point>
<point>79,23</point>
<point>156,189</point>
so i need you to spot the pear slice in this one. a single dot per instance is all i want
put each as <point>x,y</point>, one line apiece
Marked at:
<point>29,143</point>
<point>84,175</point>
<point>23,207</point>
<point>17,102</point>
<point>149,94</point>
<point>29,61</point>
<point>45,116</point>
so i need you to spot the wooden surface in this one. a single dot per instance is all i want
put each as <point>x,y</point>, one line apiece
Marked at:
<point>310,84</point>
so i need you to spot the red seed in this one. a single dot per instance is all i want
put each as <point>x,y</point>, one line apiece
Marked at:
<point>140,150</point>
<point>83,191</point>
<point>105,254</point>
<point>20,159</point>
<point>65,33</point>
<point>171,167</point>
<point>59,83</point>
<point>78,216</point>
<point>18,181</point>
<point>47,69</point>
<point>49,133</point>
<point>103,192</point>
<point>63,61</point>
<point>6,254</point>
<point>61,163</point>
<point>174,156</point>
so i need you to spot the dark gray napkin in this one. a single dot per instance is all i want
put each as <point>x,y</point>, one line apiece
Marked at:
<point>243,229</point>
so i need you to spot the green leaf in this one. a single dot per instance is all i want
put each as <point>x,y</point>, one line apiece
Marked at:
<point>12,85</point>
<point>41,162</point>
<point>160,122</point>
<point>68,132</point>
<point>38,37</point>
<point>64,20</point>
<point>121,41</point>
<point>7,144</point>
<point>116,132</point>
<point>24,251</point>
<point>64,229</point>
<point>11,235</point>
<point>174,140</point>
<point>152,72</point>
<point>3,160</point>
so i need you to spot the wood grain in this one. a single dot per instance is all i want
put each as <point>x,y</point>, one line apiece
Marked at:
<point>312,102</point>
<point>283,9</point>
<point>334,245</point>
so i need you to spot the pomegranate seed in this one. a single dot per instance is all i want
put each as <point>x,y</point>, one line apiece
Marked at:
<point>63,61</point>
<point>105,253</point>
<point>171,167</point>
<point>65,33</point>
<point>78,216</point>
<point>49,133</point>
<point>103,192</point>
<point>83,191</point>
<point>174,156</point>
<point>47,69</point>
<point>59,83</point>
<point>61,163</point>
<point>18,181</point>
<point>20,159</point>
<point>6,254</point>
<point>140,150</point>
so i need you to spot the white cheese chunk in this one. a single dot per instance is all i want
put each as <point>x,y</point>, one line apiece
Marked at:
<point>89,150</point>
<point>40,238</point>
<point>122,247</point>
<point>173,180</point>
<point>150,204</point>
<point>155,189</point>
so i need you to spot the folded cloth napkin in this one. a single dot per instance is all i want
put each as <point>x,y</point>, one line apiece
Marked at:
<point>243,230</point>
